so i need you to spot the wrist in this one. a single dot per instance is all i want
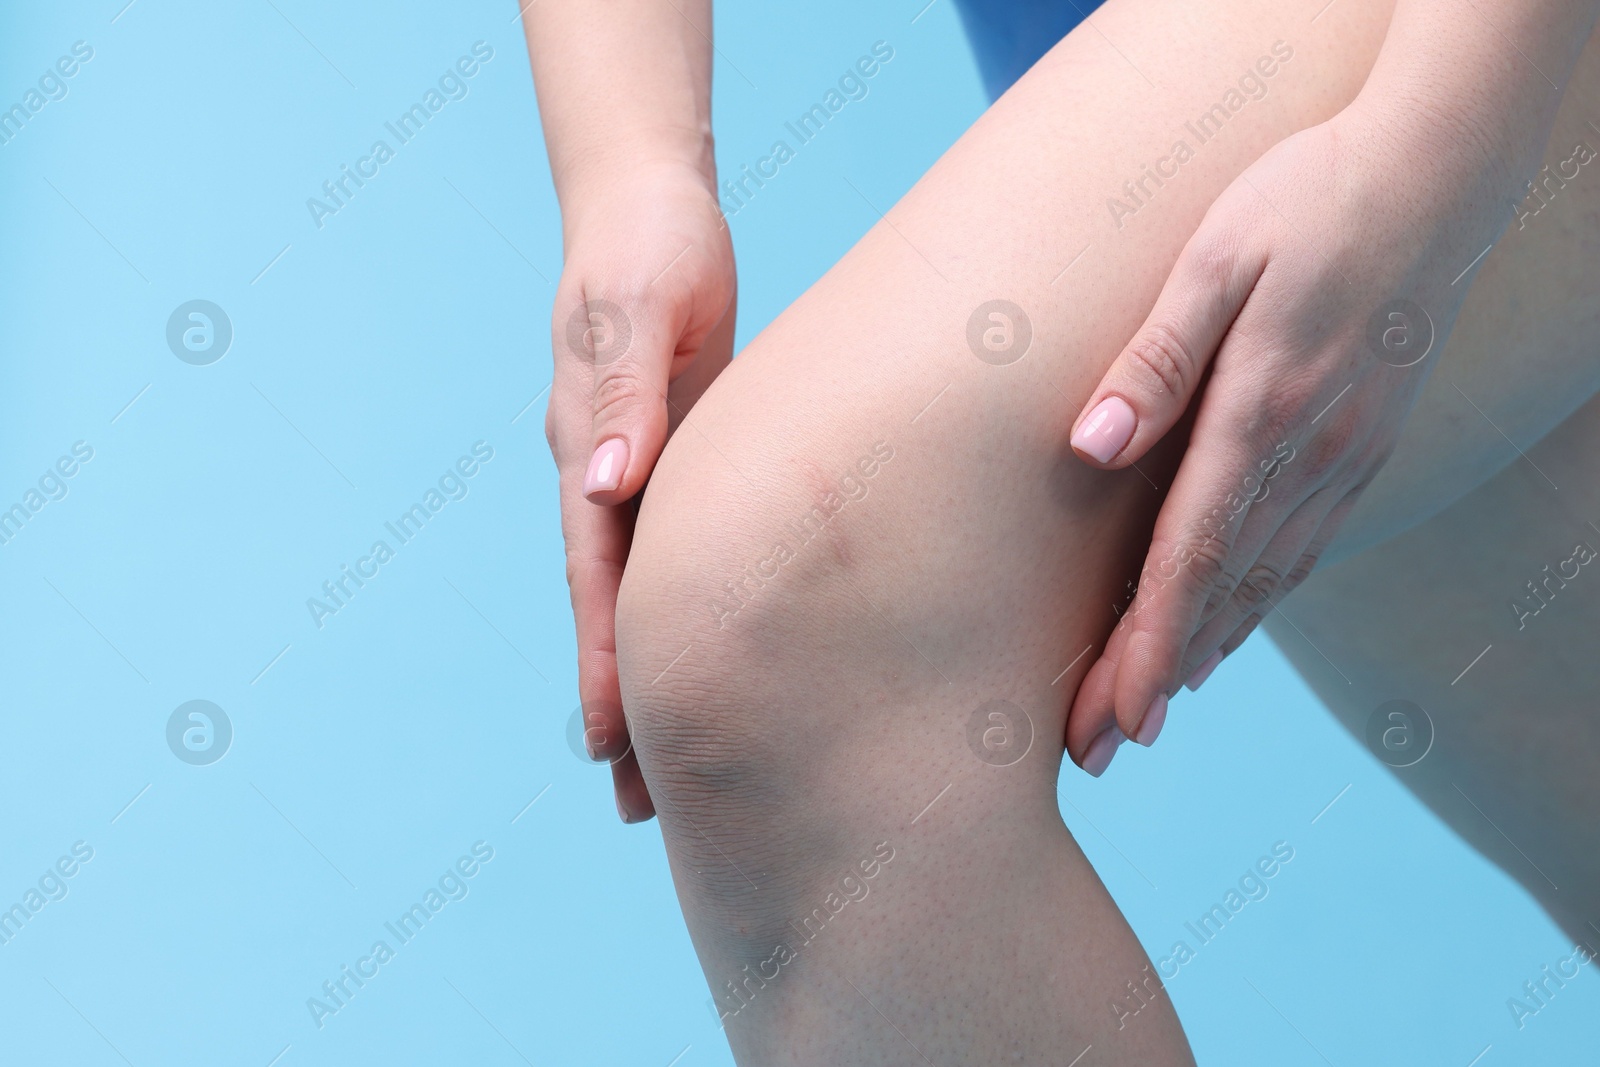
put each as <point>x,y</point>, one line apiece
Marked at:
<point>1454,103</point>
<point>626,160</point>
<point>1455,140</point>
<point>1442,166</point>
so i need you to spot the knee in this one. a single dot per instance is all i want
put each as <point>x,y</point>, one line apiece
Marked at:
<point>733,750</point>
<point>699,687</point>
<point>723,618</point>
<point>742,682</point>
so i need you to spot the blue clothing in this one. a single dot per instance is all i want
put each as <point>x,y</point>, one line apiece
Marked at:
<point>1009,36</point>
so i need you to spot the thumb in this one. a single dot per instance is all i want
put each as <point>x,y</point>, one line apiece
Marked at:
<point>632,368</point>
<point>1149,386</point>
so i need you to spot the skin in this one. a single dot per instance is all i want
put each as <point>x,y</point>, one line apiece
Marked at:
<point>825,707</point>
<point>1515,739</point>
<point>1273,296</point>
<point>1401,613</point>
<point>648,279</point>
<point>1255,306</point>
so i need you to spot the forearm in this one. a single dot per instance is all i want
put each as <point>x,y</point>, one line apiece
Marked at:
<point>1471,89</point>
<point>1519,349</point>
<point>621,84</point>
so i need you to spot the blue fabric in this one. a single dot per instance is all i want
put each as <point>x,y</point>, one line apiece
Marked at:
<point>1009,36</point>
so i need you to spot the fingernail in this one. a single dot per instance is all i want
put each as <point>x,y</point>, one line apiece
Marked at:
<point>622,812</point>
<point>1202,672</point>
<point>1101,749</point>
<point>606,467</point>
<point>1107,430</point>
<point>1155,717</point>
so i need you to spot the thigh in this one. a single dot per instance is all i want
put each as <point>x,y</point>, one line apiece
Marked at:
<point>868,568</point>
<point>964,331</point>
<point>1483,613</point>
<point>1485,617</point>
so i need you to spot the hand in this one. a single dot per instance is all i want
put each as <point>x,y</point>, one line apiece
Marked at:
<point>1317,293</point>
<point>643,322</point>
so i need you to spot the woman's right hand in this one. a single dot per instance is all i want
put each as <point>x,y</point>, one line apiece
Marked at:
<point>643,321</point>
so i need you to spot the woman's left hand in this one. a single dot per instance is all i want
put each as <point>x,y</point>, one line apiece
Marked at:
<point>1317,292</point>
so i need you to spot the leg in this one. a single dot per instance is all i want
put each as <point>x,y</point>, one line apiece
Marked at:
<point>871,532</point>
<point>1517,736</point>
<point>826,598</point>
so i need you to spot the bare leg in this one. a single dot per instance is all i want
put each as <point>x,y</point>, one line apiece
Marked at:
<point>1516,737</point>
<point>870,539</point>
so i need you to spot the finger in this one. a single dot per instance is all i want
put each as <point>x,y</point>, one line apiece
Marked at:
<point>1092,732</point>
<point>1299,504</point>
<point>636,345</point>
<point>597,547</point>
<point>1192,543</point>
<point>1152,381</point>
<point>610,537</point>
<point>596,541</point>
<point>1303,568</point>
<point>1240,636</point>
<point>1268,574</point>
<point>1273,536</point>
<point>630,350</point>
<point>1326,455</point>
<point>633,797</point>
<point>1093,735</point>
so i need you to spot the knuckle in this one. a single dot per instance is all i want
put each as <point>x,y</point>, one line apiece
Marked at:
<point>1202,559</point>
<point>617,394</point>
<point>1327,449</point>
<point>1209,562</point>
<point>1213,261</point>
<point>1259,584</point>
<point>1221,593</point>
<point>1159,362</point>
<point>1301,570</point>
<point>637,294</point>
<point>1279,425</point>
<point>604,313</point>
<point>1268,426</point>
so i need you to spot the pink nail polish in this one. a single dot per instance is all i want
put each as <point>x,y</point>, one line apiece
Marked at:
<point>606,467</point>
<point>1202,672</point>
<point>1107,430</point>
<point>1101,749</point>
<point>1155,717</point>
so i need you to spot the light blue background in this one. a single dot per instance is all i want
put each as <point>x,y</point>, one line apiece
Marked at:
<point>429,712</point>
